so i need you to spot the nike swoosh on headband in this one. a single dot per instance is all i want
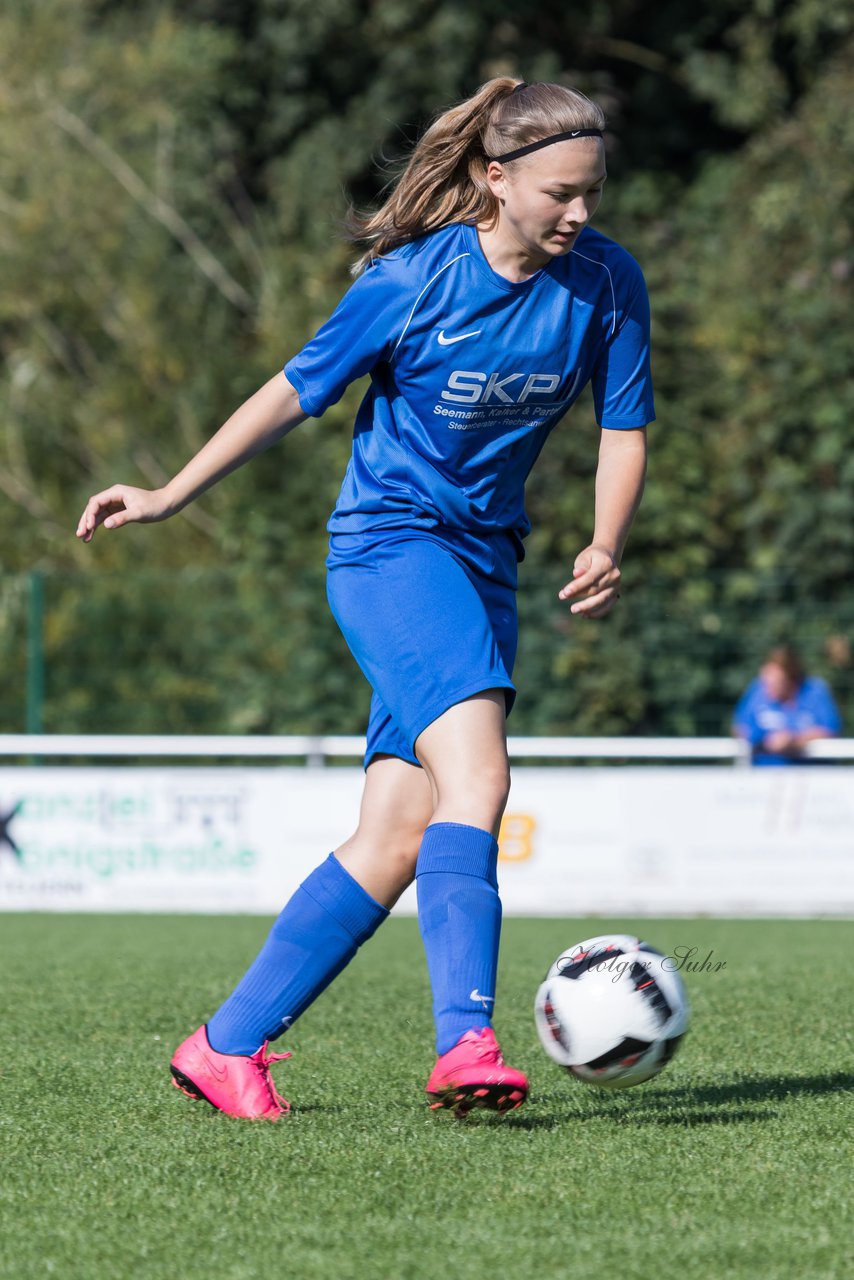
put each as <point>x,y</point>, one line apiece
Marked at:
<point>546,142</point>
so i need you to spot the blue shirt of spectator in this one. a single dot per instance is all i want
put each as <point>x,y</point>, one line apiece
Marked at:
<point>783,709</point>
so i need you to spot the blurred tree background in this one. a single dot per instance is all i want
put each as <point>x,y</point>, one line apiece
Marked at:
<point>172,185</point>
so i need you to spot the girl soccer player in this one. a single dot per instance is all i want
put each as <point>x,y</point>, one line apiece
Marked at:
<point>484,305</point>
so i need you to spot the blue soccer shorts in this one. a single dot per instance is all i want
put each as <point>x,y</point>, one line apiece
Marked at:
<point>431,620</point>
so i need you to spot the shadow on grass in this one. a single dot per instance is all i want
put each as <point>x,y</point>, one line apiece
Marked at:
<point>532,1120</point>
<point>727,1102</point>
<point>686,1106</point>
<point>764,1088</point>
<point>318,1108</point>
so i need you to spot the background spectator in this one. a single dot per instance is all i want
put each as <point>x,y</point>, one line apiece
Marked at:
<point>784,709</point>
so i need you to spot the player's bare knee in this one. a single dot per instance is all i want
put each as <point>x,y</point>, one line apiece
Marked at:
<point>398,841</point>
<point>483,789</point>
<point>403,859</point>
<point>492,782</point>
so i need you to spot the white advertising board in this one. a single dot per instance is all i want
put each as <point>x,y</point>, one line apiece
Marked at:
<point>618,840</point>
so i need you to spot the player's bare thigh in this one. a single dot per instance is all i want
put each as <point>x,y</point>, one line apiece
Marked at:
<point>397,804</point>
<point>464,754</point>
<point>465,779</point>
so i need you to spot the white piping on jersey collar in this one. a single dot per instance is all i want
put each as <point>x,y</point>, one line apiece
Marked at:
<point>459,256</point>
<point>610,282</point>
<point>421,295</point>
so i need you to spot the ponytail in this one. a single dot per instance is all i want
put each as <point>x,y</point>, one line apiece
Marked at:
<point>445,178</point>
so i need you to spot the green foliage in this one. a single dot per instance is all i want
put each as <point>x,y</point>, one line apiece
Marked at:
<point>172,182</point>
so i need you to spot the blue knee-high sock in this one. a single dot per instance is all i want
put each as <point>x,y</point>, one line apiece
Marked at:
<point>459,913</point>
<point>314,938</point>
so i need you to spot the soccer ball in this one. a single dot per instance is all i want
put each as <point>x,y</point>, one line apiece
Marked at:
<point>612,1011</point>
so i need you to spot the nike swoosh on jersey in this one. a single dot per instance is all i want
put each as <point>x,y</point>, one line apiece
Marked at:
<point>449,342</point>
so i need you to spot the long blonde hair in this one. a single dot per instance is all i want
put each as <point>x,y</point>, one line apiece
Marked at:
<point>444,180</point>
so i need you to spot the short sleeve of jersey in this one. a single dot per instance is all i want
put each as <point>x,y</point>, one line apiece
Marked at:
<point>822,707</point>
<point>360,333</point>
<point>622,381</point>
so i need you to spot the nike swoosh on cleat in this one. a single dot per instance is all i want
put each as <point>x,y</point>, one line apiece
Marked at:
<point>449,342</point>
<point>218,1073</point>
<point>475,995</point>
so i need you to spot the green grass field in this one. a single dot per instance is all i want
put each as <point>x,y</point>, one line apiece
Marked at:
<point>736,1162</point>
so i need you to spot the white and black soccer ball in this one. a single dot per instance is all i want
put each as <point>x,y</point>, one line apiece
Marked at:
<point>612,1011</point>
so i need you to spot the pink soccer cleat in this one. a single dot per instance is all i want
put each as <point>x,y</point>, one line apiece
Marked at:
<point>236,1084</point>
<point>474,1074</point>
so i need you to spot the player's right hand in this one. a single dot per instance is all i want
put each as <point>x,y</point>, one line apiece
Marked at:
<point>122,504</point>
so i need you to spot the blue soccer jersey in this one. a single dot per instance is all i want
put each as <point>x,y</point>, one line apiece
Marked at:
<point>470,372</point>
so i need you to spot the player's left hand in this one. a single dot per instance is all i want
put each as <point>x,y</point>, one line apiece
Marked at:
<point>595,584</point>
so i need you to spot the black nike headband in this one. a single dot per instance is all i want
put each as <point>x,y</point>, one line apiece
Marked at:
<point>546,142</point>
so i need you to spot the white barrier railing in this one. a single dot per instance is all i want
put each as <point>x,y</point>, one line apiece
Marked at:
<point>318,749</point>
